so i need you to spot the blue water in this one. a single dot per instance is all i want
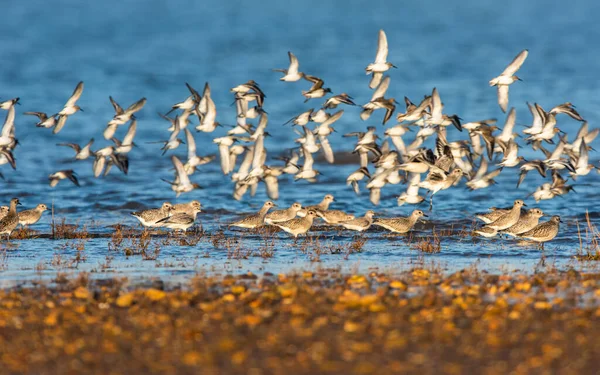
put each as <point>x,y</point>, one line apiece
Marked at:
<point>137,48</point>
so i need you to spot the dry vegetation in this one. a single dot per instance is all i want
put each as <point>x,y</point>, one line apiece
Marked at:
<point>589,247</point>
<point>418,321</point>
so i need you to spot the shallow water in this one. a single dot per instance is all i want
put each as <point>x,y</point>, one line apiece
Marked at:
<point>134,49</point>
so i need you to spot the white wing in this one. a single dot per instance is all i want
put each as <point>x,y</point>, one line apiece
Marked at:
<point>503,97</point>
<point>326,147</point>
<point>76,95</point>
<point>583,160</point>
<point>293,69</point>
<point>382,48</point>
<point>436,107</point>
<point>375,80</point>
<point>191,144</point>
<point>413,184</point>
<point>512,68</point>
<point>9,123</point>
<point>333,118</point>
<point>381,89</point>
<point>128,140</point>
<point>482,170</point>
<point>181,175</point>
<point>308,160</point>
<point>259,151</point>
<point>224,154</point>
<point>509,125</point>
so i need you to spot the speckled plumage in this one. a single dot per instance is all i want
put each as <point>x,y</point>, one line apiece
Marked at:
<point>178,221</point>
<point>400,224</point>
<point>280,216</point>
<point>256,220</point>
<point>334,217</point>
<point>29,217</point>
<point>3,211</point>
<point>509,219</point>
<point>527,221</point>
<point>299,225</point>
<point>191,208</point>
<point>11,220</point>
<point>323,206</point>
<point>150,218</point>
<point>360,224</point>
<point>543,232</point>
<point>486,232</point>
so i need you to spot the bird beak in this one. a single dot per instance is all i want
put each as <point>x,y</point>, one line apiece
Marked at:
<point>524,205</point>
<point>394,66</point>
<point>425,215</point>
<point>19,203</point>
<point>81,109</point>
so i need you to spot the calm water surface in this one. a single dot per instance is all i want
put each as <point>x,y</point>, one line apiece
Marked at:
<point>138,48</point>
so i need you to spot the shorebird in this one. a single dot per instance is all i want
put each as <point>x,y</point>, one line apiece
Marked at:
<point>437,181</point>
<point>30,217</point>
<point>7,135</point>
<point>81,153</point>
<point>45,120</point>
<point>411,195</point>
<point>11,220</point>
<point>191,208</point>
<point>537,165</point>
<point>507,77</point>
<point>291,74</point>
<point>316,90</point>
<point>193,160</point>
<point>182,183</point>
<point>9,103</point>
<point>69,109</point>
<point>356,176</point>
<point>224,144</point>
<point>255,220</point>
<point>543,232</point>
<point>178,221</point>
<point>359,224</point>
<point>482,179</point>
<point>3,211</point>
<point>54,178</point>
<point>283,215</point>
<point>127,144</point>
<point>336,100</point>
<point>568,109</point>
<point>173,141</point>
<point>400,224</point>
<point>122,116</point>
<point>334,217</point>
<point>307,172</point>
<point>493,215</point>
<point>150,218</point>
<point>322,206</point>
<point>486,232</point>
<point>509,219</point>
<point>299,225</point>
<point>527,221</point>
<point>301,119</point>
<point>381,64</point>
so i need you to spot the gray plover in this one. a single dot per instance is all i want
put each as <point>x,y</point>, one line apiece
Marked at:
<point>191,208</point>
<point>359,224</point>
<point>256,220</point>
<point>509,219</point>
<point>543,232</point>
<point>283,215</point>
<point>149,218</point>
<point>30,217</point>
<point>11,220</point>
<point>507,77</point>
<point>323,206</point>
<point>179,221</point>
<point>527,221</point>
<point>400,224</point>
<point>299,225</point>
<point>334,217</point>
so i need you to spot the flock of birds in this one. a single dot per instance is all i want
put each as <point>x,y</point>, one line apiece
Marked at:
<point>391,162</point>
<point>298,220</point>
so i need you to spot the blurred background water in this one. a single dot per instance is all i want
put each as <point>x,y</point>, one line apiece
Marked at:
<point>150,49</point>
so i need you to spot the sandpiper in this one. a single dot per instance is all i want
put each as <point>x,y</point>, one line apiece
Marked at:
<point>299,225</point>
<point>334,217</point>
<point>400,224</point>
<point>81,153</point>
<point>507,78</point>
<point>45,120</point>
<point>29,217</point>
<point>323,206</point>
<point>191,208</point>
<point>291,74</point>
<point>69,109</point>
<point>150,218</point>
<point>527,221</point>
<point>509,219</point>
<point>61,175</point>
<point>11,220</point>
<point>256,220</point>
<point>381,64</point>
<point>543,232</point>
<point>283,215</point>
<point>360,224</point>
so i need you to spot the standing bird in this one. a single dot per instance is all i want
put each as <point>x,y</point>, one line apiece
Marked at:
<point>11,220</point>
<point>360,224</point>
<point>69,109</point>
<point>400,224</point>
<point>543,232</point>
<point>150,218</point>
<point>381,64</point>
<point>507,78</point>
<point>298,225</point>
<point>256,220</point>
<point>291,74</point>
<point>29,217</point>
